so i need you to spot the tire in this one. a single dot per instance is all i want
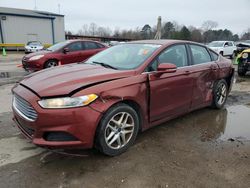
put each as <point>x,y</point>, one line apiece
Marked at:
<point>220,93</point>
<point>233,55</point>
<point>241,70</point>
<point>112,137</point>
<point>50,64</point>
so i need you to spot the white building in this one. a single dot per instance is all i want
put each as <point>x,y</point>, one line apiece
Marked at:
<point>21,26</point>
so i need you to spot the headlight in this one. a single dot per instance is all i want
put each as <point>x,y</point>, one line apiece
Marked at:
<point>245,55</point>
<point>68,102</point>
<point>36,57</point>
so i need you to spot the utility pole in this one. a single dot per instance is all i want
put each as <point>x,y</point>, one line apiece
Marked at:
<point>59,8</point>
<point>35,5</point>
<point>158,32</point>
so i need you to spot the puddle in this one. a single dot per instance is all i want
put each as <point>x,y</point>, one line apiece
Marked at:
<point>238,123</point>
<point>230,124</point>
<point>12,74</point>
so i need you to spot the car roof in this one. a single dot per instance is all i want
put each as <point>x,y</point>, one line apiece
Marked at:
<point>164,42</point>
<point>81,40</point>
<point>222,41</point>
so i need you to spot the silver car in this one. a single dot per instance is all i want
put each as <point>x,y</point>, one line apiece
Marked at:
<point>33,46</point>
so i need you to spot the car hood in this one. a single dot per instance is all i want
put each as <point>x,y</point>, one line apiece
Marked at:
<point>216,48</point>
<point>43,52</point>
<point>246,51</point>
<point>64,80</point>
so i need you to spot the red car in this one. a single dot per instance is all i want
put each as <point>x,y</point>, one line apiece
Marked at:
<point>119,92</point>
<point>70,51</point>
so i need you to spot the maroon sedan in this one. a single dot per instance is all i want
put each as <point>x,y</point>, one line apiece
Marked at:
<point>119,92</point>
<point>70,51</point>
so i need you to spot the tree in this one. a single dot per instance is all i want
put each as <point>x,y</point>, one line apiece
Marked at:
<point>209,25</point>
<point>246,35</point>
<point>184,34</point>
<point>168,30</point>
<point>196,36</point>
<point>146,32</point>
<point>92,29</point>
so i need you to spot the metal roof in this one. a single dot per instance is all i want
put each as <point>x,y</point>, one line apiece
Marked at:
<point>27,13</point>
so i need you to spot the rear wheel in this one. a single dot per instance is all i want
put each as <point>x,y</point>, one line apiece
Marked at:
<point>233,55</point>
<point>241,70</point>
<point>50,63</point>
<point>220,92</point>
<point>117,130</point>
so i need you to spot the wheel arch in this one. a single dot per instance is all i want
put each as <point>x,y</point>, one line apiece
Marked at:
<point>50,59</point>
<point>133,104</point>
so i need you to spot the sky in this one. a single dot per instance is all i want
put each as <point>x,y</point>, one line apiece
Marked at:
<point>129,14</point>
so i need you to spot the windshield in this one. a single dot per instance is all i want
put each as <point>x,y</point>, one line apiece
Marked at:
<point>216,44</point>
<point>57,46</point>
<point>124,56</point>
<point>34,43</point>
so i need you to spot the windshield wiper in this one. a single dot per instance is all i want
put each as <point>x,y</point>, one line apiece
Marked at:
<point>104,65</point>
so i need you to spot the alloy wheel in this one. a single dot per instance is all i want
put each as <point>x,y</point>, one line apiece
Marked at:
<point>119,130</point>
<point>221,94</point>
<point>51,64</point>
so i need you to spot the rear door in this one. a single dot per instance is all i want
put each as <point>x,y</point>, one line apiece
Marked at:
<point>90,49</point>
<point>170,93</point>
<point>74,53</point>
<point>228,49</point>
<point>205,72</point>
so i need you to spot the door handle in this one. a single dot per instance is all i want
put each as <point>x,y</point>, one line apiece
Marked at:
<point>187,72</point>
<point>213,67</point>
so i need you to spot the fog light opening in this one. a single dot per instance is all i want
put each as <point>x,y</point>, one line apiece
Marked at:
<point>59,137</point>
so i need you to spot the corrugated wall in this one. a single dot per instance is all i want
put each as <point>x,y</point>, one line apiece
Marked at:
<point>17,29</point>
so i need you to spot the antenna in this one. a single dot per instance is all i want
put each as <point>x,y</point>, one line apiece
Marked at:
<point>35,5</point>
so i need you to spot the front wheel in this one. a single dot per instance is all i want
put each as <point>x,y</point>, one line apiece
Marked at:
<point>233,55</point>
<point>241,70</point>
<point>117,130</point>
<point>220,92</point>
<point>50,63</point>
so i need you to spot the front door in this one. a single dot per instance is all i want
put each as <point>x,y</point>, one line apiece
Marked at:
<point>170,93</point>
<point>74,54</point>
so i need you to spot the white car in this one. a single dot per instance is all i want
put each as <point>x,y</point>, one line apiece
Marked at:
<point>33,46</point>
<point>225,48</point>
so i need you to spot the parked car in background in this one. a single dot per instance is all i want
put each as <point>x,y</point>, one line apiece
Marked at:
<point>243,60</point>
<point>105,101</point>
<point>33,46</point>
<point>242,45</point>
<point>66,52</point>
<point>225,48</point>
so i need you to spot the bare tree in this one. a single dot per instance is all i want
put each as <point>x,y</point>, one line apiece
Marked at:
<point>93,29</point>
<point>209,25</point>
<point>85,29</point>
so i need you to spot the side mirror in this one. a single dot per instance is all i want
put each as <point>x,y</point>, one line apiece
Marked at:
<point>166,67</point>
<point>65,50</point>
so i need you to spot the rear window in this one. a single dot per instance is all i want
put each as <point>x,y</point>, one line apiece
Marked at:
<point>200,54</point>
<point>91,45</point>
<point>214,55</point>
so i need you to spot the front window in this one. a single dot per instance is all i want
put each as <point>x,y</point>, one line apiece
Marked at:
<point>125,56</point>
<point>34,43</point>
<point>58,46</point>
<point>216,44</point>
